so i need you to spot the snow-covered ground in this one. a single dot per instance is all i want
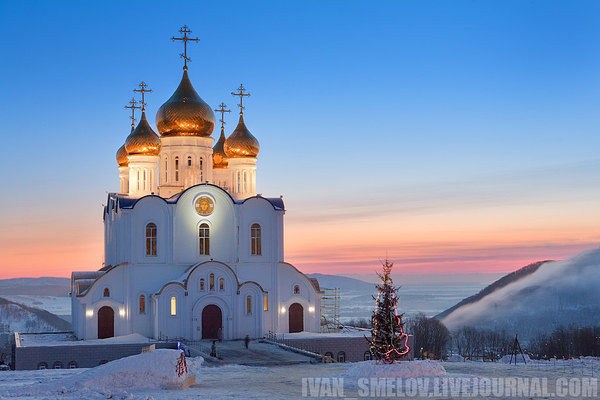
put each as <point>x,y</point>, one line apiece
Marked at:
<point>144,377</point>
<point>54,304</point>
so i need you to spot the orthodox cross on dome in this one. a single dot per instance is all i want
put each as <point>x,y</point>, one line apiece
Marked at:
<point>222,109</point>
<point>240,93</point>
<point>184,30</point>
<point>143,90</point>
<point>132,106</point>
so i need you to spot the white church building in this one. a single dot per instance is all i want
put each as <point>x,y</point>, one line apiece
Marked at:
<point>191,251</point>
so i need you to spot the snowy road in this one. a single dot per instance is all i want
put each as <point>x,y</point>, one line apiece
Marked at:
<point>273,382</point>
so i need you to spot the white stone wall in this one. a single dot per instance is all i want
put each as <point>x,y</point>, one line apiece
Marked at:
<point>184,161</point>
<point>177,267</point>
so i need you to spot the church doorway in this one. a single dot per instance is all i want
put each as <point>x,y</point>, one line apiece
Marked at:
<point>296,318</point>
<point>212,322</point>
<point>106,322</point>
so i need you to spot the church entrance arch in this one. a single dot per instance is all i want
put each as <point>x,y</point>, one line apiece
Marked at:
<point>212,322</point>
<point>296,318</point>
<point>106,322</point>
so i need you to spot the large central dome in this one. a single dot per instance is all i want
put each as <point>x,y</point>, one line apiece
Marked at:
<point>185,113</point>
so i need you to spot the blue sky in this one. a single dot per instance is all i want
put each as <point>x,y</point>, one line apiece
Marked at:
<point>361,108</point>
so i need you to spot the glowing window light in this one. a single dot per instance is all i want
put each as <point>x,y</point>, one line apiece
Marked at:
<point>283,310</point>
<point>173,306</point>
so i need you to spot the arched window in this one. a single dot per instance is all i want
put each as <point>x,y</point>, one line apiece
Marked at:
<point>255,242</point>
<point>176,169</point>
<point>106,292</point>
<point>57,365</point>
<point>341,356</point>
<point>245,181</point>
<point>189,161</point>
<point>173,306</point>
<point>248,305</point>
<point>166,170</point>
<point>151,239</point>
<point>72,364</point>
<point>211,282</point>
<point>296,289</point>
<point>329,354</point>
<point>142,304</point>
<point>202,284</point>
<point>201,171</point>
<point>239,182</point>
<point>138,179</point>
<point>367,355</point>
<point>265,303</point>
<point>221,284</point>
<point>144,181</point>
<point>204,235</point>
<point>42,365</point>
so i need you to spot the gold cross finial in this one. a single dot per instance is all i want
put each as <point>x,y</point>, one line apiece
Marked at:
<point>240,93</point>
<point>184,30</point>
<point>222,109</point>
<point>143,90</point>
<point>132,105</point>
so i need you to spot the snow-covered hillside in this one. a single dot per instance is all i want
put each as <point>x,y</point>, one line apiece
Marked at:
<point>45,286</point>
<point>556,293</point>
<point>15,317</point>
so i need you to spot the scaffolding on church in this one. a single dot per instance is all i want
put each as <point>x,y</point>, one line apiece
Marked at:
<point>330,310</point>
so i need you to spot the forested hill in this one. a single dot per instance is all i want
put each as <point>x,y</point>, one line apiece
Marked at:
<point>500,283</point>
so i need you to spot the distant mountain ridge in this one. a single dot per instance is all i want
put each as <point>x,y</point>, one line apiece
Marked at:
<point>500,283</point>
<point>536,299</point>
<point>44,286</point>
<point>344,283</point>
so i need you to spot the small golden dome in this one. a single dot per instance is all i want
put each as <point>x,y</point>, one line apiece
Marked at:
<point>122,159</point>
<point>220,160</point>
<point>241,143</point>
<point>185,113</point>
<point>143,140</point>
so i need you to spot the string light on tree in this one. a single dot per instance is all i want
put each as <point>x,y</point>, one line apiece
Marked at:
<point>388,341</point>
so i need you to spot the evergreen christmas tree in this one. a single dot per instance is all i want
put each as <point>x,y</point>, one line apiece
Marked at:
<point>388,341</point>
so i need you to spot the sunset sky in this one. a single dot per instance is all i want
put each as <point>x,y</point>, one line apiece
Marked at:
<point>458,137</point>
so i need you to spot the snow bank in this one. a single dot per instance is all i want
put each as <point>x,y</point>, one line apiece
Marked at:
<point>155,369</point>
<point>403,369</point>
<point>151,370</point>
<point>455,358</point>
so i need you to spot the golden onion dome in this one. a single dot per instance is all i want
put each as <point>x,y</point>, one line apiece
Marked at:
<point>143,140</point>
<point>122,159</point>
<point>241,143</point>
<point>219,158</point>
<point>185,113</point>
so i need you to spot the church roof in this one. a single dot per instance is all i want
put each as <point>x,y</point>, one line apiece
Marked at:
<point>118,200</point>
<point>185,113</point>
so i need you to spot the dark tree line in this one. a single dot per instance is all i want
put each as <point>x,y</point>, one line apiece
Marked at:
<point>358,323</point>
<point>431,337</point>
<point>566,342</point>
<point>483,344</point>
